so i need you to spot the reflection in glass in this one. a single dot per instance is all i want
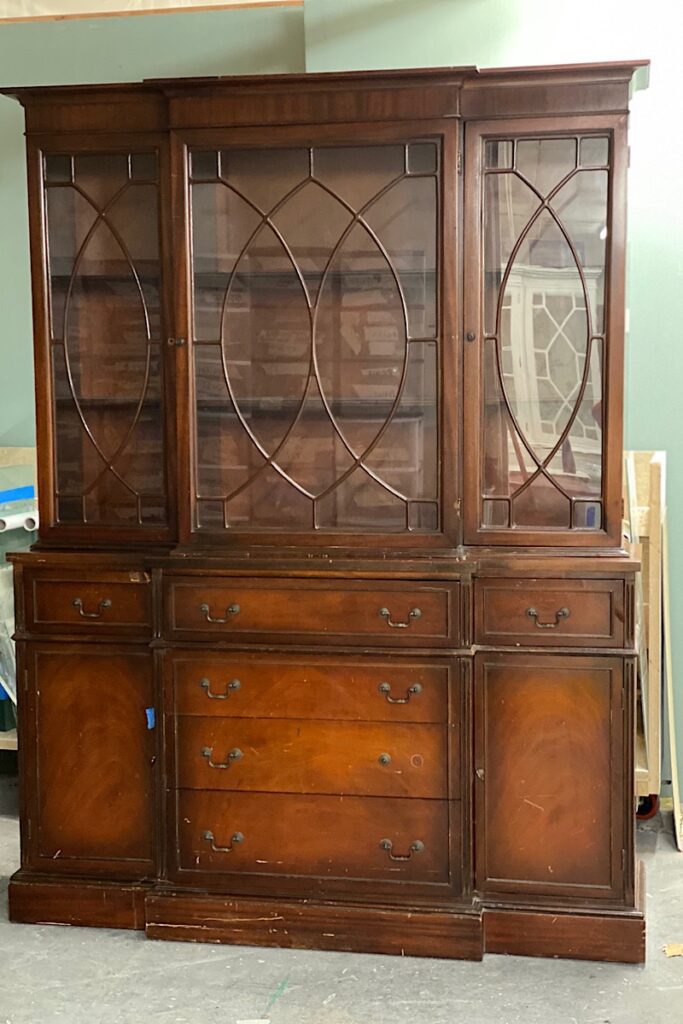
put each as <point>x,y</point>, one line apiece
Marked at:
<point>105,326</point>
<point>315,325</point>
<point>544,247</point>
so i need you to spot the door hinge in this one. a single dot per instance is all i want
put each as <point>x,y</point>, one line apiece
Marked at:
<point>623,860</point>
<point>26,680</point>
<point>479,772</point>
<point>459,162</point>
<point>457,505</point>
<point>28,828</point>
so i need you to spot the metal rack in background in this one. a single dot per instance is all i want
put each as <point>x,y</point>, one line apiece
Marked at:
<point>18,523</point>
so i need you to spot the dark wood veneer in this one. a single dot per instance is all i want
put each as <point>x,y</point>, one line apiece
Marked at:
<point>328,638</point>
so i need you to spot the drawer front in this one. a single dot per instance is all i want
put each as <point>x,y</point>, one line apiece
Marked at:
<point>390,613</point>
<point>329,836</point>
<point>297,756</point>
<point>243,685</point>
<point>111,603</point>
<point>540,612</point>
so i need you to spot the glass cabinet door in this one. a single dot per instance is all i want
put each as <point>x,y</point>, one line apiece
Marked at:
<point>315,323</point>
<point>542,353</point>
<point>104,319</point>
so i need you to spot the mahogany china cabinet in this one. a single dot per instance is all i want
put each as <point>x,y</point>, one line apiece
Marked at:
<point>328,640</point>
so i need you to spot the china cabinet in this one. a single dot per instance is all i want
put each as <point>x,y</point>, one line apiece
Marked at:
<point>328,638</point>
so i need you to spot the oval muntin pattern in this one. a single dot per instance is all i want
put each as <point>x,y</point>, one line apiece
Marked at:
<point>545,203</point>
<point>312,306</point>
<point>99,222</point>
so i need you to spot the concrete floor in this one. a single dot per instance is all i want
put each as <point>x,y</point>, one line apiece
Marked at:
<point>88,976</point>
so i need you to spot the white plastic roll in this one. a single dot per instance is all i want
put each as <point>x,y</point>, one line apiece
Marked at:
<point>15,521</point>
<point>32,522</point>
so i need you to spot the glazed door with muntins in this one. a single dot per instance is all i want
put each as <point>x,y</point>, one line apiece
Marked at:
<point>316,328</point>
<point>544,266</point>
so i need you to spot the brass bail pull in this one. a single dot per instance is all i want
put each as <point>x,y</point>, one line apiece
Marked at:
<point>385,614</point>
<point>387,845</point>
<point>230,612</point>
<point>101,607</point>
<point>561,613</point>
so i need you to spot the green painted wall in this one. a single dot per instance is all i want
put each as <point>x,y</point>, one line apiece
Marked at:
<point>329,35</point>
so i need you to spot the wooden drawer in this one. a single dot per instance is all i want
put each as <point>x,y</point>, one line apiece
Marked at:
<point>332,836</point>
<point>109,603</point>
<point>297,756</point>
<point>243,685</point>
<point>586,613</point>
<point>294,609</point>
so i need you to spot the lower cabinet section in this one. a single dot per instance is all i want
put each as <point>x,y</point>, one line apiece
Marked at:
<point>553,810</point>
<point>87,756</point>
<point>424,803</point>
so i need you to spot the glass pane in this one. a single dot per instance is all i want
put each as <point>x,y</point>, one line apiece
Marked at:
<point>544,282</point>
<point>545,162</point>
<point>313,406</point>
<point>105,283</point>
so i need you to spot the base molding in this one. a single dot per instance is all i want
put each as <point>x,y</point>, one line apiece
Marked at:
<point>35,899</point>
<point>461,933</point>
<point>302,924</point>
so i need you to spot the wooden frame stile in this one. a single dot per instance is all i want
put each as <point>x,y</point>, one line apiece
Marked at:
<point>475,133</point>
<point>182,329</point>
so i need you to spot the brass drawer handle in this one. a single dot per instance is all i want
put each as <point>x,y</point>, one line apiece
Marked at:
<point>102,606</point>
<point>231,610</point>
<point>235,839</point>
<point>561,613</point>
<point>205,684</point>
<point>412,691</point>
<point>416,847</point>
<point>385,614</point>
<point>234,755</point>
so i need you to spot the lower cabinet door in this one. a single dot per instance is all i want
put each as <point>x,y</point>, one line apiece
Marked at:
<point>553,799</point>
<point>88,753</point>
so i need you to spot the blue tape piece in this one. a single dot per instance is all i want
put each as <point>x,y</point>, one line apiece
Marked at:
<point>4,695</point>
<point>151,718</point>
<point>18,494</point>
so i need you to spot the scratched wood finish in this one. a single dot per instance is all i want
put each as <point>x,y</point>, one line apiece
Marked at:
<point>305,924</point>
<point>111,603</point>
<point>330,613</point>
<point>91,760</point>
<point>37,900</point>
<point>595,612</point>
<point>550,783</point>
<point>303,686</point>
<point>296,756</point>
<point>313,835</point>
<point>527,828</point>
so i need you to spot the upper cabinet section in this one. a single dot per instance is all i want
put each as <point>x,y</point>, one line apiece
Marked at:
<point>544,309</point>
<point>379,311</point>
<point>315,337</point>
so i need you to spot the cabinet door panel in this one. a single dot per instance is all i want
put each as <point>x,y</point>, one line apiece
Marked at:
<point>316,322</point>
<point>545,306</point>
<point>550,782</point>
<point>104,325</point>
<point>92,757</point>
